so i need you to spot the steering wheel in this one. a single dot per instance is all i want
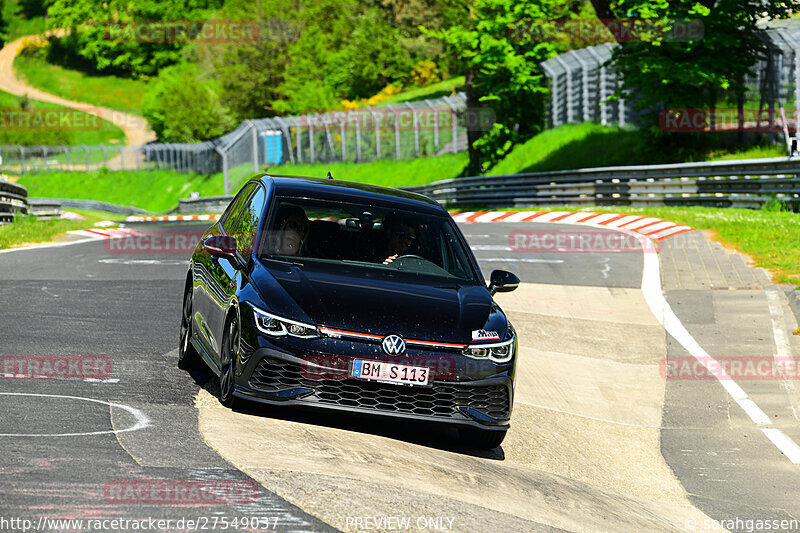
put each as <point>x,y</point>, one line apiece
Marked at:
<point>410,256</point>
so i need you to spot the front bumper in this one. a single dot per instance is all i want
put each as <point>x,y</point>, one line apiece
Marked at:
<point>274,377</point>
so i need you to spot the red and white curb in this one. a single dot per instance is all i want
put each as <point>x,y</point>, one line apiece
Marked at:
<point>112,233</point>
<point>655,228</point>
<point>171,218</point>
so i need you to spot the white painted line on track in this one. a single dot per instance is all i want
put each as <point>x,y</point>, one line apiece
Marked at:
<point>517,260</point>
<point>141,419</point>
<point>44,246</point>
<point>653,295</point>
<point>783,443</point>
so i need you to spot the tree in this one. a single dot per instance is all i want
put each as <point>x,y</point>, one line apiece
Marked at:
<point>662,71</point>
<point>183,107</point>
<point>502,71</point>
<point>106,32</point>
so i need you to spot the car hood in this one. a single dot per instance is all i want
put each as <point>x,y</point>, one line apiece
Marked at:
<point>357,302</point>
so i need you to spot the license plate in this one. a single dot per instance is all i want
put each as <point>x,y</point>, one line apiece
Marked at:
<point>390,372</point>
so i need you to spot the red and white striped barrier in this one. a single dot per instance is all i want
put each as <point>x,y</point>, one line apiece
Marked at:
<point>655,228</point>
<point>171,218</point>
<point>111,233</point>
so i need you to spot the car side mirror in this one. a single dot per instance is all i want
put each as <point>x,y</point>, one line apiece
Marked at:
<point>220,246</point>
<point>503,281</point>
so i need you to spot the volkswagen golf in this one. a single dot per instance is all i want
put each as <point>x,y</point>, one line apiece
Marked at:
<point>349,297</point>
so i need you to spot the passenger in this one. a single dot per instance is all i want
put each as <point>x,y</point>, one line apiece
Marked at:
<point>291,230</point>
<point>399,235</point>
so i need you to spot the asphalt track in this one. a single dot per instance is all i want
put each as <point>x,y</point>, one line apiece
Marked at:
<point>600,441</point>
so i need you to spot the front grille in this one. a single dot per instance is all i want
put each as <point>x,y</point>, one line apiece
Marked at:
<point>440,399</point>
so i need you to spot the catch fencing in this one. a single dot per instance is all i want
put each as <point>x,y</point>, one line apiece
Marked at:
<point>742,183</point>
<point>396,131</point>
<point>581,82</point>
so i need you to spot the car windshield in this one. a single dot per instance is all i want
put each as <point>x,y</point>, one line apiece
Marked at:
<point>383,241</point>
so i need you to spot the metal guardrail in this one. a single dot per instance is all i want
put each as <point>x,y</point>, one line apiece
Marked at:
<point>741,183</point>
<point>13,199</point>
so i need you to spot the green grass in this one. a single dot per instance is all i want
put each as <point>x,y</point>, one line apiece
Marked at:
<point>108,133</point>
<point>18,22</point>
<point>769,237</point>
<point>160,190</point>
<point>388,173</point>
<point>123,94</point>
<point>29,230</point>
<point>590,145</point>
<point>435,90</point>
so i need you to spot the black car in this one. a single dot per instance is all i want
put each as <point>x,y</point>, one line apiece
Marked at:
<point>363,299</point>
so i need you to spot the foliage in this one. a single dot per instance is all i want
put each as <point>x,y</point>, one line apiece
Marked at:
<point>425,72</point>
<point>502,72</point>
<point>696,71</point>
<point>93,34</point>
<point>182,107</point>
<point>33,47</point>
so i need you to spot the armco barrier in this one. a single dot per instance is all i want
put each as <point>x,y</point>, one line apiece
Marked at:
<point>742,183</point>
<point>44,209</point>
<point>13,199</point>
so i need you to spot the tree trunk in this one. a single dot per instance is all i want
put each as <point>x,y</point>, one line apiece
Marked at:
<point>475,167</point>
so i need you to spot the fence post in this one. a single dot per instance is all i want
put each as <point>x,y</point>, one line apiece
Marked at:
<point>86,149</point>
<point>255,144</point>
<point>22,158</point>
<point>122,158</point>
<point>358,137</point>
<point>416,129</point>
<point>44,153</point>
<point>285,129</point>
<point>298,132</point>
<point>453,122</point>
<point>435,127</point>
<point>342,129</point>
<point>396,131</point>
<point>224,156</point>
<point>377,133</point>
<point>311,138</point>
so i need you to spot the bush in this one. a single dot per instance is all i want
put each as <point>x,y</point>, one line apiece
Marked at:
<point>181,107</point>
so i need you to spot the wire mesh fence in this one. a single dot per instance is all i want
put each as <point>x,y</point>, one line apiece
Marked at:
<point>400,131</point>
<point>582,81</point>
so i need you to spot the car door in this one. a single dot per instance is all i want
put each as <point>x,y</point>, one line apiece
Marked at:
<point>209,295</point>
<point>229,273</point>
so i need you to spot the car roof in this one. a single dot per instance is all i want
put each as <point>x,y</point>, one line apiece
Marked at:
<point>350,191</point>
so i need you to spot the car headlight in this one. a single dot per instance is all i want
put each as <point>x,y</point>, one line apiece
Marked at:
<point>500,352</point>
<point>276,326</point>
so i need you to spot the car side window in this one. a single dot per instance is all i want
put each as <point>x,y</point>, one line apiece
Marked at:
<point>245,232</point>
<point>231,215</point>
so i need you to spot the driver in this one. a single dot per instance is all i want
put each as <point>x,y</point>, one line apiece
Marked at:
<point>292,225</point>
<point>399,236</point>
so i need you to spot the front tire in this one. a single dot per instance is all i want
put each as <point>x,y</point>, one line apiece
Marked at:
<point>230,348</point>
<point>187,355</point>
<point>482,438</point>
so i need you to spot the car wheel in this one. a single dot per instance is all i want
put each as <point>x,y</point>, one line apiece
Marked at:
<point>187,355</point>
<point>482,438</point>
<point>230,347</point>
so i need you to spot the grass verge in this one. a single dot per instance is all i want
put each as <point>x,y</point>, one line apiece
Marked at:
<point>30,230</point>
<point>160,190</point>
<point>122,94</point>
<point>81,128</point>
<point>435,90</point>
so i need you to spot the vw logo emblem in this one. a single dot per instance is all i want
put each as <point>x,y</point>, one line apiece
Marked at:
<point>393,345</point>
